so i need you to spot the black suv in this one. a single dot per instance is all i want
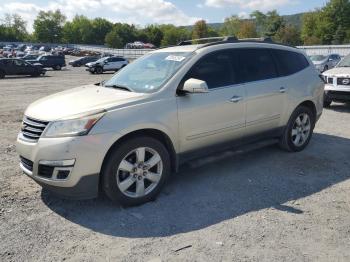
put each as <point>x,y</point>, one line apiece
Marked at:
<point>53,61</point>
<point>11,66</point>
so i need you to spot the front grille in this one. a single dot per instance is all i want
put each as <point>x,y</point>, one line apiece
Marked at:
<point>45,171</point>
<point>26,163</point>
<point>343,81</point>
<point>32,128</point>
<point>330,80</point>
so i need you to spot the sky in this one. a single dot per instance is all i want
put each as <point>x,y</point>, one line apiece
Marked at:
<point>143,12</point>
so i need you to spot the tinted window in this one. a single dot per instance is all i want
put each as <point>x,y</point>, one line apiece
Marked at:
<point>255,64</point>
<point>215,69</point>
<point>289,62</point>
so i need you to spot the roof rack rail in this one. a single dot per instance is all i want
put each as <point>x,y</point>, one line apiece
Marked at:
<point>209,39</point>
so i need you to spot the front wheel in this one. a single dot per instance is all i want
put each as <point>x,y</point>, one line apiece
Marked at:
<point>2,74</point>
<point>135,171</point>
<point>298,131</point>
<point>99,70</point>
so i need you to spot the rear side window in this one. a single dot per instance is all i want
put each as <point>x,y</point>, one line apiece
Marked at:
<point>215,69</point>
<point>255,64</point>
<point>289,62</point>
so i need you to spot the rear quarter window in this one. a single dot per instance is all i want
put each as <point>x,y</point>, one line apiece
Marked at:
<point>289,62</point>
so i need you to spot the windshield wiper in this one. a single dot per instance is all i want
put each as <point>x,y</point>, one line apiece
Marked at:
<point>119,87</point>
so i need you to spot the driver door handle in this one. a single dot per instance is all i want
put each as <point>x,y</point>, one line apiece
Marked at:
<point>236,99</point>
<point>282,89</point>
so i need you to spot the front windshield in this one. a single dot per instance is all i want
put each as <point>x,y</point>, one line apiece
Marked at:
<point>102,59</point>
<point>317,57</point>
<point>345,62</point>
<point>148,73</point>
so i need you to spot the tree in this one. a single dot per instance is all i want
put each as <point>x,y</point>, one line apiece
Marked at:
<point>13,28</point>
<point>100,28</point>
<point>155,34</point>
<point>48,26</point>
<point>113,39</point>
<point>288,34</point>
<point>247,29</point>
<point>231,26</point>
<point>268,24</point>
<point>173,35</point>
<point>200,30</point>
<point>329,24</point>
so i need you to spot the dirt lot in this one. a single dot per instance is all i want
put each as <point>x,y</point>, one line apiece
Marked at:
<point>262,205</point>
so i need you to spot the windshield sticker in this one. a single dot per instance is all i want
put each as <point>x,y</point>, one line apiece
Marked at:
<point>175,58</point>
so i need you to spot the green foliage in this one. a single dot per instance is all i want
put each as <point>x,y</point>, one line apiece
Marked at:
<point>328,25</point>
<point>288,34</point>
<point>13,28</point>
<point>48,26</point>
<point>172,35</point>
<point>113,39</point>
<point>200,30</point>
<point>268,24</point>
<point>154,34</point>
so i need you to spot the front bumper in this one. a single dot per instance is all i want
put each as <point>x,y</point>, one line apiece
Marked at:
<point>69,166</point>
<point>337,93</point>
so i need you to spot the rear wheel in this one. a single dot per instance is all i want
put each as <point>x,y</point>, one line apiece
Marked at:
<point>2,74</point>
<point>136,171</point>
<point>57,67</point>
<point>298,131</point>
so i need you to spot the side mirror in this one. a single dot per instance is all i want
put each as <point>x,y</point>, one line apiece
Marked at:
<point>195,86</point>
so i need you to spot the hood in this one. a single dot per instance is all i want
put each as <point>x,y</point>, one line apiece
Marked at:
<point>338,72</point>
<point>80,100</point>
<point>93,63</point>
<point>319,62</point>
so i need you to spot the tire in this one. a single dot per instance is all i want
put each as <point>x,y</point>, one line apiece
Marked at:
<point>99,70</point>
<point>57,67</point>
<point>289,140</point>
<point>2,74</point>
<point>114,173</point>
<point>327,103</point>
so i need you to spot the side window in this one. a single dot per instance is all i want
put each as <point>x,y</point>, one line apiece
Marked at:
<point>215,69</point>
<point>289,62</point>
<point>18,62</point>
<point>255,64</point>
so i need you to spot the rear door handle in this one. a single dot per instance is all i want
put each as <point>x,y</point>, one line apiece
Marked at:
<point>236,99</point>
<point>283,89</point>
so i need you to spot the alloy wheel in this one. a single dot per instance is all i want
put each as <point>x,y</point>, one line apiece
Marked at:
<point>139,172</point>
<point>301,129</point>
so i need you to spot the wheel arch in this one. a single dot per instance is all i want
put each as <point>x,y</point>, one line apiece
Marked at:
<point>311,105</point>
<point>151,132</point>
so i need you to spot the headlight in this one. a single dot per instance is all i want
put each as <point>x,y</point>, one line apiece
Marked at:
<point>72,127</point>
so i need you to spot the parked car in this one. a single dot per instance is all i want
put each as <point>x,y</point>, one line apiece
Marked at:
<point>323,63</point>
<point>30,57</point>
<point>83,60</point>
<point>338,83</point>
<point>11,66</point>
<point>129,133</point>
<point>113,63</point>
<point>55,62</point>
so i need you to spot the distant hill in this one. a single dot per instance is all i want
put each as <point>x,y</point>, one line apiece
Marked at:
<point>295,20</point>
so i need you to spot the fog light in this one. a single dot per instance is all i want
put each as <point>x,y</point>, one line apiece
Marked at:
<point>62,174</point>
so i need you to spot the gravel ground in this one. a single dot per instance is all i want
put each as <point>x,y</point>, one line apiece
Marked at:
<point>261,205</point>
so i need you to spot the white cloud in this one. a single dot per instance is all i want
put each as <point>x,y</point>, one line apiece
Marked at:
<point>128,11</point>
<point>249,4</point>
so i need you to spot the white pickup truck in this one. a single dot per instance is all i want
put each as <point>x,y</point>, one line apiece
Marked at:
<point>337,86</point>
